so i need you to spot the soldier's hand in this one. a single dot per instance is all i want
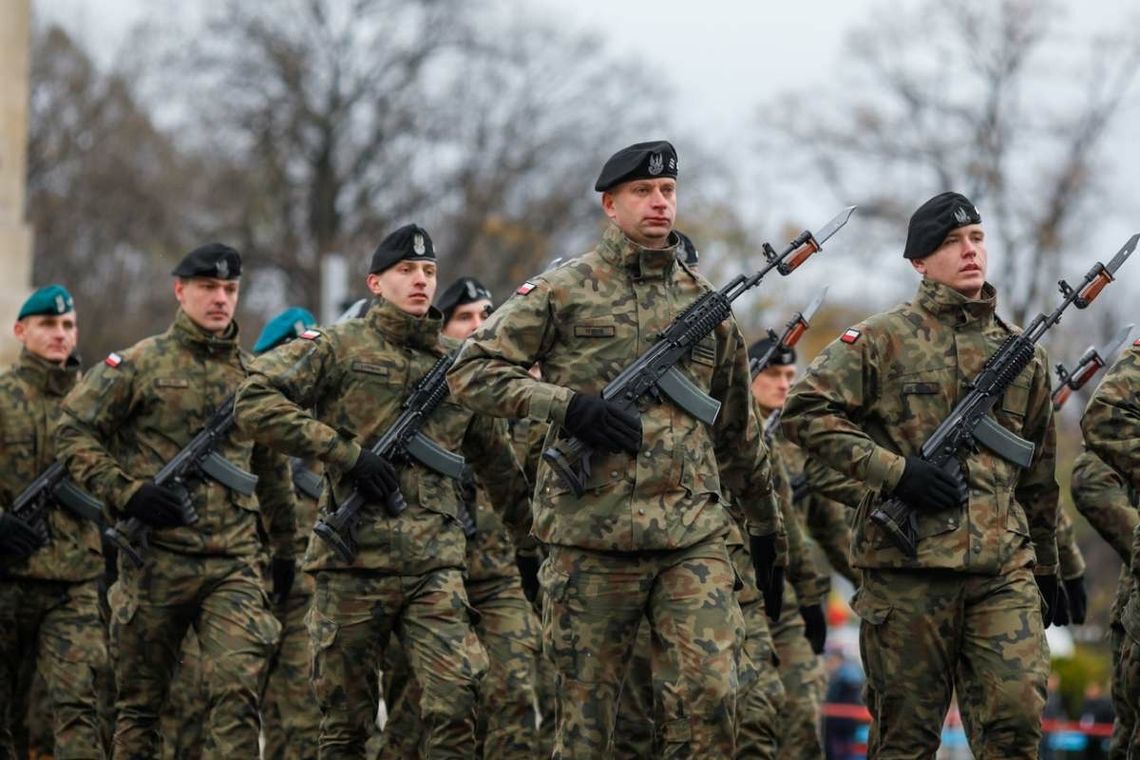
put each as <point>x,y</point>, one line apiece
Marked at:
<point>1078,599</point>
<point>923,485</point>
<point>284,573</point>
<point>815,626</point>
<point>17,539</point>
<point>1061,609</point>
<point>602,424</point>
<point>374,476</point>
<point>1049,594</point>
<point>769,575</point>
<point>528,571</point>
<point>156,506</point>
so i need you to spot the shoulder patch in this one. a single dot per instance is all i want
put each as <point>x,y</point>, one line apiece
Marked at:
<point>113,360</point>
<point>850,336</point>
<point>525,288</point>
<point>1136,342</point>
<point>310,334</point>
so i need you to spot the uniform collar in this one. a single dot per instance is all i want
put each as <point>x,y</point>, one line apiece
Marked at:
<point>406,329</point>
<point>642,263</point>
<point>190,334</point>
<point>48,376</point>
<point>953,308</point>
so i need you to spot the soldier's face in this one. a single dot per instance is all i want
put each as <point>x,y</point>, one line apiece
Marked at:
<point>959,262</point>
<point>643,209</point>
<point>407,285</point>
<point>208,301</point>
<point>770,388</point>
<point>50,337</point>
<point>467,318</point>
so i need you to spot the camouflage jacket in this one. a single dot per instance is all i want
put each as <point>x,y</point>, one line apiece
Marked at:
<point>1070,561</point>
<point>873,396</point>
<point>585,321</point>
<point>1106,501</point>
<point>139,408</point>
<point>828,519</point>
<point>332,391</point>
<point>30,396</point>
<point>1111,422</point>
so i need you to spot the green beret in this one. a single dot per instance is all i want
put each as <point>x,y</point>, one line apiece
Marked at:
<point>409,243</point>
<point>51,300</point>
<point>645,160</point>
<point>283,328</point>
<point>211,260</point>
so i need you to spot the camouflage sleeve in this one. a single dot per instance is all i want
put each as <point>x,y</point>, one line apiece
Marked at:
<point>490,375</point>
<point>833,485</point>
<point>1111,422</point>
<point>823,411</point>
<point>276,498</point>
<point>1071,561</point>
<point>828,520</point>
<point>810,585</point>
<point>272,403</point>
<point>1037,491</point>
<point>742,457</point>
<point>487,447</point>
<point>99,405</point>
<point>1102,496</point>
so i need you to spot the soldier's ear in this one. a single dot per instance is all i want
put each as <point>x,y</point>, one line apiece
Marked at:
<point>373,283</point>
<point>20,330</point>
<point>608,204</point>
<point>919,266</point>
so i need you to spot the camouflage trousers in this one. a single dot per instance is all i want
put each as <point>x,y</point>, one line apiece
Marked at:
<point>927,633</point>
<point>544,678</point>
<point>594,603</point>
<point>54,627</point>
<point>290,718</point>
<point>351,619</point>
<point>224,600</point>
<point>184,717</point>
<point>1123,702</point>
<point>802,675</point>
<point>1129,672</point>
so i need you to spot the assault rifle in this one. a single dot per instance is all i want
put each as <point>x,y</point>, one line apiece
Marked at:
<point>793,331</point>
<point>655,373</point>
<point>399,443</point>
<point>1091,362</point>
<point>197,461</point>
<point>53,486</point>
<point>969,423</point>
<point>305,481</point>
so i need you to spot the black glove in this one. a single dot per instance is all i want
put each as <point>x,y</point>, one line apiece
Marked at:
<point>1049,597</point>
<point>1061,609</point>
<point>156,506</point>
<point>923,485</point>
<point>815,626</point>
<point>374,476</point>
<point>284,572</point>
<point>602,425</point>
<point>17,539</point>
<point>769,577</point>
<point>528,570</point>
<point>1078,599</point>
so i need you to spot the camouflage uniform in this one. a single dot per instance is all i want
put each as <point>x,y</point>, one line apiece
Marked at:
<point>407,576</point>
<point>128,417</point>
<point>1111,425</point>
<point>1110,506</point>
<point>965,613</point>
<point>49,616</point>
<point>828,506</point>
<point>649,537</point>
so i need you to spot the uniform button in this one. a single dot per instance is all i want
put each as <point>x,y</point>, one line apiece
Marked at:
<point>951,523</point>
<point>613,473</point>
<point>649,455</point>
<point>977,548</point>
<point>641,511</point>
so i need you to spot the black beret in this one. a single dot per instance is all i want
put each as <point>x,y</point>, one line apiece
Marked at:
<point>781,358</point>
<point>463,291</point>
<point>934,220</point>
<point>687,250</point>
<point>409,243</point>
<point>210,260</point>
<point>646,160</point>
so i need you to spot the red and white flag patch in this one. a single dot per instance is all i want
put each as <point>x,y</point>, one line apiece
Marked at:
<point>113,360</point>
<point>850,336</point>
<point>1136,342</point>
<point>525,288</point>
<point>311,334</point>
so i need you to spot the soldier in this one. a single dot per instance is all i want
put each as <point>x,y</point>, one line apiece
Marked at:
<point>49,613</point>
<point>647,537</point>
<point>406,577</point>
<point>964,613</point>
<point>290,719</point>
<point>800,632</point>
<point>507,626</point>
<point>120,426</point>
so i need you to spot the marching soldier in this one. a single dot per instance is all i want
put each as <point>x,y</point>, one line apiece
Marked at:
<point>49,615</point>
<point>647,537</point>
<point>965,613</point>
<point>120,426</point>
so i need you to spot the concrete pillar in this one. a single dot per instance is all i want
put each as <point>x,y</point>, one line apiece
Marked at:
<point>15,234</point>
